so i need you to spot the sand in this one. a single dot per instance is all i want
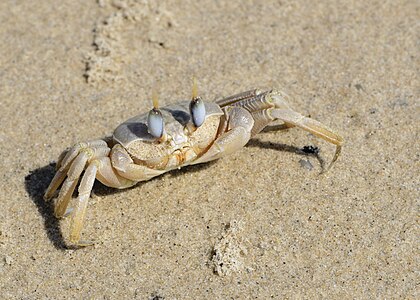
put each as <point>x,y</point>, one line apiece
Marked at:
<point>260,223</point>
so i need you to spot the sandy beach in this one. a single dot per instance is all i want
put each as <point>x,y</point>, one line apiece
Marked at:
<point>262,223</point>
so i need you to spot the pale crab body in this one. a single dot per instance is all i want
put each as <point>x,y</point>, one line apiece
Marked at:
<point>180,146</point>
<point>170,137</point>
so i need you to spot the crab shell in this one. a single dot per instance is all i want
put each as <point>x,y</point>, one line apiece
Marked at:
<point>182,142</point>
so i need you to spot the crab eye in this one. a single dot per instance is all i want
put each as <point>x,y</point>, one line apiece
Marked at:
<point>155,123</point>
<point>198,111</point>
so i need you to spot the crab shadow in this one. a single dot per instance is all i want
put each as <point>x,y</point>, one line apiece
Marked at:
<point>37,181</point>
<point>307,151</point>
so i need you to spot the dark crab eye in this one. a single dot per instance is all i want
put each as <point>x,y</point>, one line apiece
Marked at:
<point>198,111</point>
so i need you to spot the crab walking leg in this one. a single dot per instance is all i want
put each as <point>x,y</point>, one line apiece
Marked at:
<point>239,126</point>
<point>293,118</point>
<point>63,165</point>
<point>75,150</point>
<point>64,161</point>
<point>70,183</point>
<point>58,177</point>
<point>55,183</point>
<point>76,168</point>
<point>79,212</point>
<point>267,107</point>
<point>256,102</point>
<point>244,96</point>
<point>60,159</point>
<point>261,119</point>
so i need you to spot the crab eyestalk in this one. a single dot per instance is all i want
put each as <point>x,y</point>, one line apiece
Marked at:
<point>155,122</point>
<point>197,107</point>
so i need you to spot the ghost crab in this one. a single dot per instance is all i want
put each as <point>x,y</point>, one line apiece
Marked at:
<point>186,133</point>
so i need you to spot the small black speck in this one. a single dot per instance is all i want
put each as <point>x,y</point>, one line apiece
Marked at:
<point>310,150</point>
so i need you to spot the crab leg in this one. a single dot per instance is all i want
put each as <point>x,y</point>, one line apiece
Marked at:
<point>237,126</point>
<point>69,184</point>
<point>64,162</point>
<point>58,177</point>
<point>77,166</point>
<point>63,165</point>
<point>278,109</point>
<point>55,183</point>
<point>256,102</point>
<point>79,213</point>
<point>312,126</point>
<point>251,94</point>
<point>266,107</point>
<point>60,159</point>
<point>101,169</point>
